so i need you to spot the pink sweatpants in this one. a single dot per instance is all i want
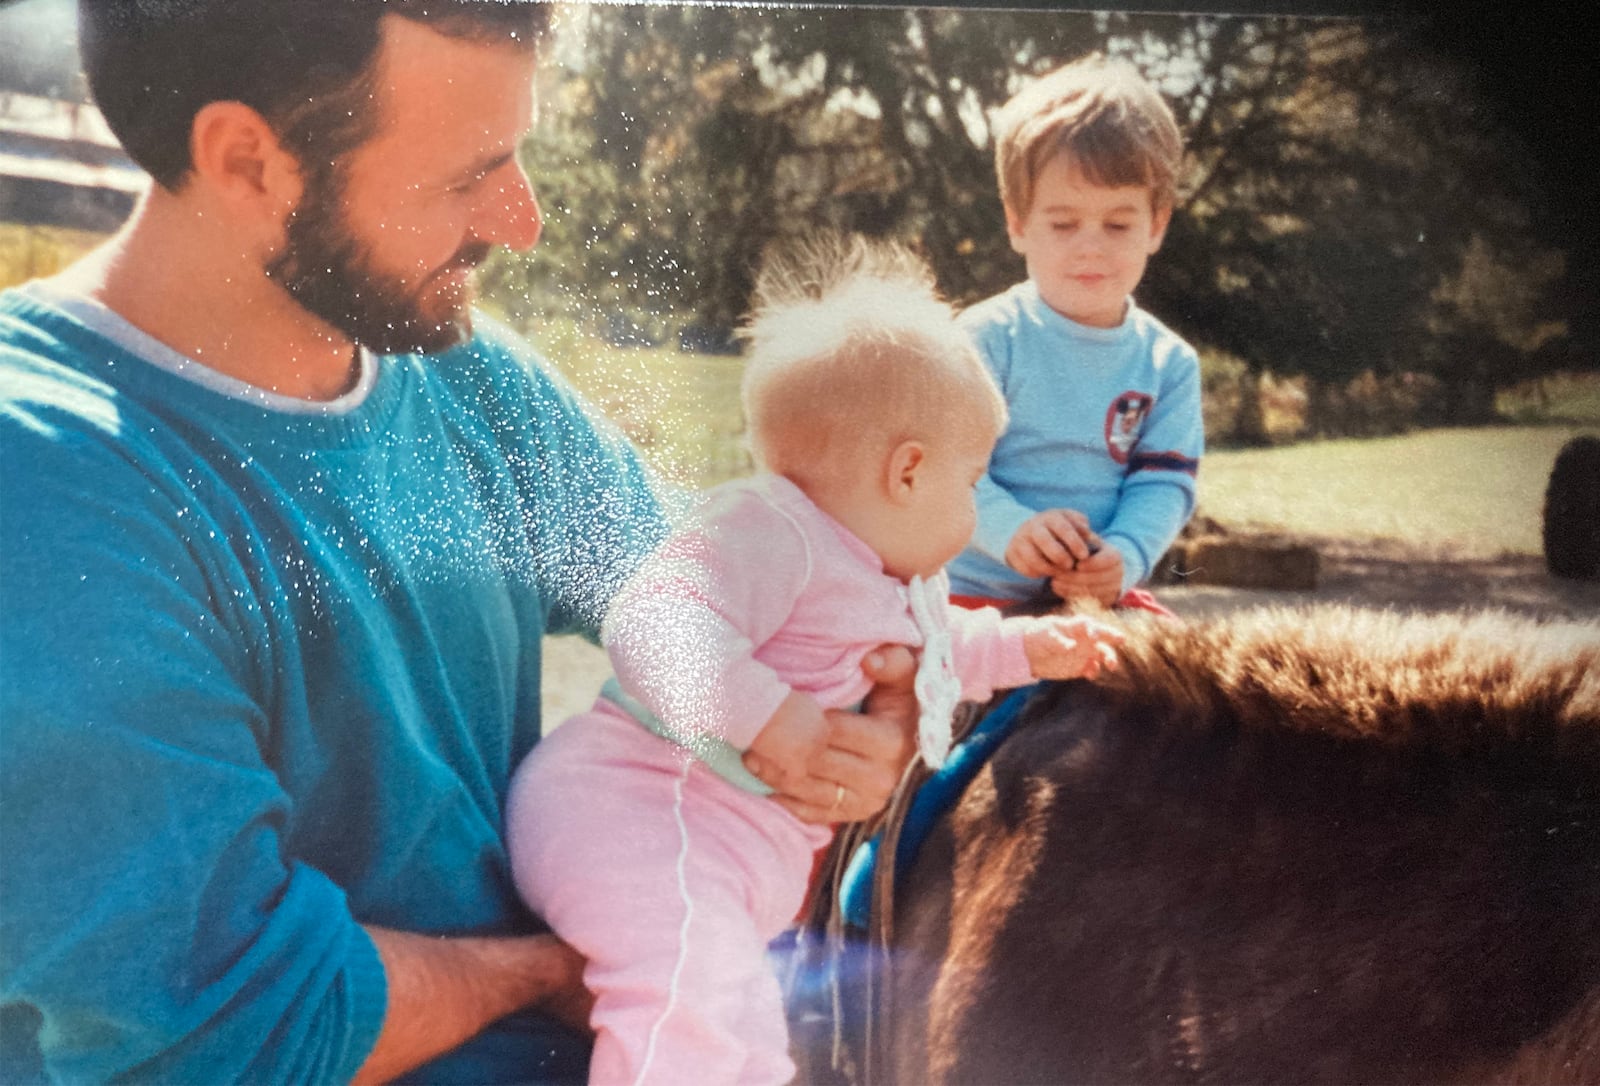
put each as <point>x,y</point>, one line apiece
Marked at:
<point>671,881</point>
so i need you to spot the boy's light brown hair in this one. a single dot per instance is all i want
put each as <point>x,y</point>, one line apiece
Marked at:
<point>852,351</point>
<point>1114,124</point>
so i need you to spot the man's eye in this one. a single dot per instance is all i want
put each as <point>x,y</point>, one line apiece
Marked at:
<point>462,188</point>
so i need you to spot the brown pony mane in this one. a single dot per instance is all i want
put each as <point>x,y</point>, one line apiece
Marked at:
<point>1424,682</point>
<point>1317,844</point>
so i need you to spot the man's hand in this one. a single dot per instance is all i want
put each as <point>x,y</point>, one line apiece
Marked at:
<point>1050,543</point>
<point>855,772</point>
<point>1099,577</point>
<point>1069,646</point>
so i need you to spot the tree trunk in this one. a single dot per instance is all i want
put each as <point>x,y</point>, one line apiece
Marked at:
<point>1250,420</point>
<point>1470,403</point>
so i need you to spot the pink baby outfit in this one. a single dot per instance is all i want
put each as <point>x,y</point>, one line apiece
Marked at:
<point>669,875</point>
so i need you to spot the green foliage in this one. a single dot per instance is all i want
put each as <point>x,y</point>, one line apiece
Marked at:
<point>1350,207</point>
<point>1349,204</point>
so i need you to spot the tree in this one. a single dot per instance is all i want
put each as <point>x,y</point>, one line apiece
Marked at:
<point>1341,183</point>
<point>1351,205</point>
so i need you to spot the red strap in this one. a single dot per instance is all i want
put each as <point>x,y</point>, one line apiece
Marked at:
<point>975,603</point>
<point>1142,599</point>
<point>1134,599</point>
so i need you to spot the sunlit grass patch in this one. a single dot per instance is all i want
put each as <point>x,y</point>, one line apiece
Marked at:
<point>29,252</point>
<point>1562,397</point>
<point>1479,490</point>
<point>681,408</point>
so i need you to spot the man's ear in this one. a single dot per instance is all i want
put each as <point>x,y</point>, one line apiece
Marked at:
<point>902,469</point>
<point>238,158</point>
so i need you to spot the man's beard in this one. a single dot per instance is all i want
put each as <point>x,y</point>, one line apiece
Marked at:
<point>330,273</point>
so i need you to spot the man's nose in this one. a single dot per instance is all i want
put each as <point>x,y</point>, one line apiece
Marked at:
<point>510,216</point>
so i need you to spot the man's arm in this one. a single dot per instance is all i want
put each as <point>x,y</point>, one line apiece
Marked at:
<point>443,991</point>
<point>156,927</point>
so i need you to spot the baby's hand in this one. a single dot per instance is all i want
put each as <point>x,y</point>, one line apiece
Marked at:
<point>788,741</point>
<point>1070,647</point>
<point>1051,542</point>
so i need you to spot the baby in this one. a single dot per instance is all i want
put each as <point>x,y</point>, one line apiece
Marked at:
<point>635,830</point>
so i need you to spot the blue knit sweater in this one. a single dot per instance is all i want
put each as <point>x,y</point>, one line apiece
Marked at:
<point>263,678</point>
<point>1103,420</point>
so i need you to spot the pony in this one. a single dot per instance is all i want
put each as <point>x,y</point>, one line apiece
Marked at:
<point>1293,845</point>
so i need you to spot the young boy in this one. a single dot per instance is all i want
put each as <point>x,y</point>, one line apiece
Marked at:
<point>633,829</point>
<point>1095,475</point>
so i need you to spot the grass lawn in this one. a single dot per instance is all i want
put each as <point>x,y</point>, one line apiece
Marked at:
<point>1479,490</point>
<point>682,409</point>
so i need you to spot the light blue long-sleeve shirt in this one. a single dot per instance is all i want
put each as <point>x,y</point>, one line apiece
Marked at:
<point>264,675</point>
<point>1106,421</point>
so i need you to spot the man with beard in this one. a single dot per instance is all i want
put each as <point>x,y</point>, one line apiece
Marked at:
<point>276,582</point>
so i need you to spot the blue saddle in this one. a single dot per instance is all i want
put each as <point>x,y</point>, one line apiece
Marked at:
<point>936,796</point>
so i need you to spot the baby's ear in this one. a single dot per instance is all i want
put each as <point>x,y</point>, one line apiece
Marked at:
<point>902,470</point>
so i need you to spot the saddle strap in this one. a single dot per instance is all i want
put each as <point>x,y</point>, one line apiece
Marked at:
<point>858,1056</point>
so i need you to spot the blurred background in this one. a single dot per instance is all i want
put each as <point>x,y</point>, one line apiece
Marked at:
<point>1385,249</point>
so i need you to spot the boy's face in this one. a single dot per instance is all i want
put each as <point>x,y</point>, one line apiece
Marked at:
<point>1086,245</point>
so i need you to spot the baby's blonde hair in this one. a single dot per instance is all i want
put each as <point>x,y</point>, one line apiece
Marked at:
<point>1115,125</point>
<point>852,351</point>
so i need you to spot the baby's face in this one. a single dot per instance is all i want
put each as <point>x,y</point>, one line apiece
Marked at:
<point>937,523</point>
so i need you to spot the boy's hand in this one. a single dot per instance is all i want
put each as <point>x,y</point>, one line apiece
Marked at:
<point>1065,647</point>
<point>1050,542</point>
<point>1099,577</point>
<point>863,754</point>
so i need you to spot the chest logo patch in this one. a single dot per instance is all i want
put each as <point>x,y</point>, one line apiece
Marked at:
<point>1125,422</point>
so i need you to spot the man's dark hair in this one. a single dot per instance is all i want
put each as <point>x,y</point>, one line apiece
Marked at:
<point>305,65</point>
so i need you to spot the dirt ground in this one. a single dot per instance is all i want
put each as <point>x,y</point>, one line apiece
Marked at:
<point>1379,574</point>
<point>1399,576</point>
